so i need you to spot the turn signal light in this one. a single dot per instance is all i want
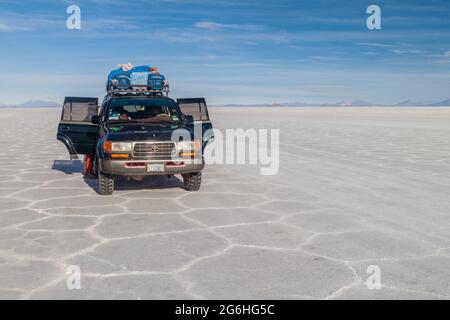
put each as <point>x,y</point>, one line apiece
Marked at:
<point>107,146</point>
<point>119,155</point>
<point>187,154</point>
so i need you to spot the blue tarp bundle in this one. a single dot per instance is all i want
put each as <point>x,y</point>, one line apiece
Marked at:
<point>127,76</point>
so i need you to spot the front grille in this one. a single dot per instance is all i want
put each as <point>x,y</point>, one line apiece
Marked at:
<point>154,150</point>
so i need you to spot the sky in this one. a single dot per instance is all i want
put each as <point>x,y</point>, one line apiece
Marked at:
<point>244,51</point>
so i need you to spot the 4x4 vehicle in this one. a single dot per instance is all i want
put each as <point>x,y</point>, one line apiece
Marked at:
<point>137,135</point>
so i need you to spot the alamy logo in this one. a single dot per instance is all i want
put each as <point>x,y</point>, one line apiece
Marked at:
<point>74,279</point>
<point>374,20</point>
<point>374,280</point>
<point>73,22</point>
<point>238,146</point>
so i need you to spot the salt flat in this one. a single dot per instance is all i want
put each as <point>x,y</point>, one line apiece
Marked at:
<point>356,187</point>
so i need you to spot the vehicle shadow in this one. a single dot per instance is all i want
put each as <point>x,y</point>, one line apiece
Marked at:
<point>122,183</point>
<point>68,166</point>
<point>148,183</point>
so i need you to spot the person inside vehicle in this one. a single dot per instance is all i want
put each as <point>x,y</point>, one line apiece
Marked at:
<point>159,114</point>
<point>124,115</point>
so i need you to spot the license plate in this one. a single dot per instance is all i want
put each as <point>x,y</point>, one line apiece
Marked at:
<point>155,167</point>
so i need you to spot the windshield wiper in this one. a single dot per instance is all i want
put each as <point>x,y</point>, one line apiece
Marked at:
<point>124,121</point>
<point>158,121</point>
<point>141,121</point>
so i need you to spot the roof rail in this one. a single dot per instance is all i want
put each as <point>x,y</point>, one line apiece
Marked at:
<point>136,90</point>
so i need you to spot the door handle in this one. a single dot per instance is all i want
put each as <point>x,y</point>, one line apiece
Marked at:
<point>65,128</point>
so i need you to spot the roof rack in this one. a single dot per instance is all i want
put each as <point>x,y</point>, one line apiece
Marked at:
<point>136,90</point>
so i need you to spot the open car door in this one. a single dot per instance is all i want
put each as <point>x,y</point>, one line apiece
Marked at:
<point>197,108</point>
<point>75,129</point>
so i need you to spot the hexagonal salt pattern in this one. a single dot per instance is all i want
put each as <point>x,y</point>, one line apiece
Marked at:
<point>356,188</point>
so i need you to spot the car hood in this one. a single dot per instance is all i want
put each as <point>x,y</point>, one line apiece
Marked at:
<point>142,132</point>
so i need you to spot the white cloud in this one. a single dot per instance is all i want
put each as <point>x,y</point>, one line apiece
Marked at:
<point>441,57</point>
<point>210,32</point>
<point>407,51</point>
<point>10,27</point>
<point>376,44</point>
<point>398,49</point>
<point>15,22</point>
<point>214,26</point>
<point>210,25</point>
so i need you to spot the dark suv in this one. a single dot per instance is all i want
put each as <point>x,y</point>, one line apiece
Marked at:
<point>137,135</point>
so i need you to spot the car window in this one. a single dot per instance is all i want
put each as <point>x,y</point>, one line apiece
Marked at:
<point>195,107</point>
<point>79,111</point>
<point>143,110</point>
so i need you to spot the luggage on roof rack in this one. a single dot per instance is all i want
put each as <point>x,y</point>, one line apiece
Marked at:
<point>129,79</point>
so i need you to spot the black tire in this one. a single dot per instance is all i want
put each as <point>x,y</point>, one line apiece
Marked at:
<point>95,168</point>
<point>105,184</point>
<point>192,181</point>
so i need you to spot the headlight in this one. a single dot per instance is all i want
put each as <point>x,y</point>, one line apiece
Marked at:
<point>121,147</point>
<point>188,148</point>
<point>188,145</point>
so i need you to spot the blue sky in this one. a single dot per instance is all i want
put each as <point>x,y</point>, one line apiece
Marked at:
<point>230,51</point>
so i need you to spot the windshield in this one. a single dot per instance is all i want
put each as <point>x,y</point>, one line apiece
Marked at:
<point>143,110</point>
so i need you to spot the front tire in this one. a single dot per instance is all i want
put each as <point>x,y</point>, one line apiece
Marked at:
<point>105,184</point>
<point>192,181</point>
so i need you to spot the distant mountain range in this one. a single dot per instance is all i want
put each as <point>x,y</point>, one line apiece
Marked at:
<point>34,104</point>
<point>355,103</point>
<point>444,103</point>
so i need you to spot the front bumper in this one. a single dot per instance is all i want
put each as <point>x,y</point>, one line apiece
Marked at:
<point>139,167</point>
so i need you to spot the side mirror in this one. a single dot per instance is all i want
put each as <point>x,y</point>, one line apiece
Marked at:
<point>188,119</point>
<point>95,119</point>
